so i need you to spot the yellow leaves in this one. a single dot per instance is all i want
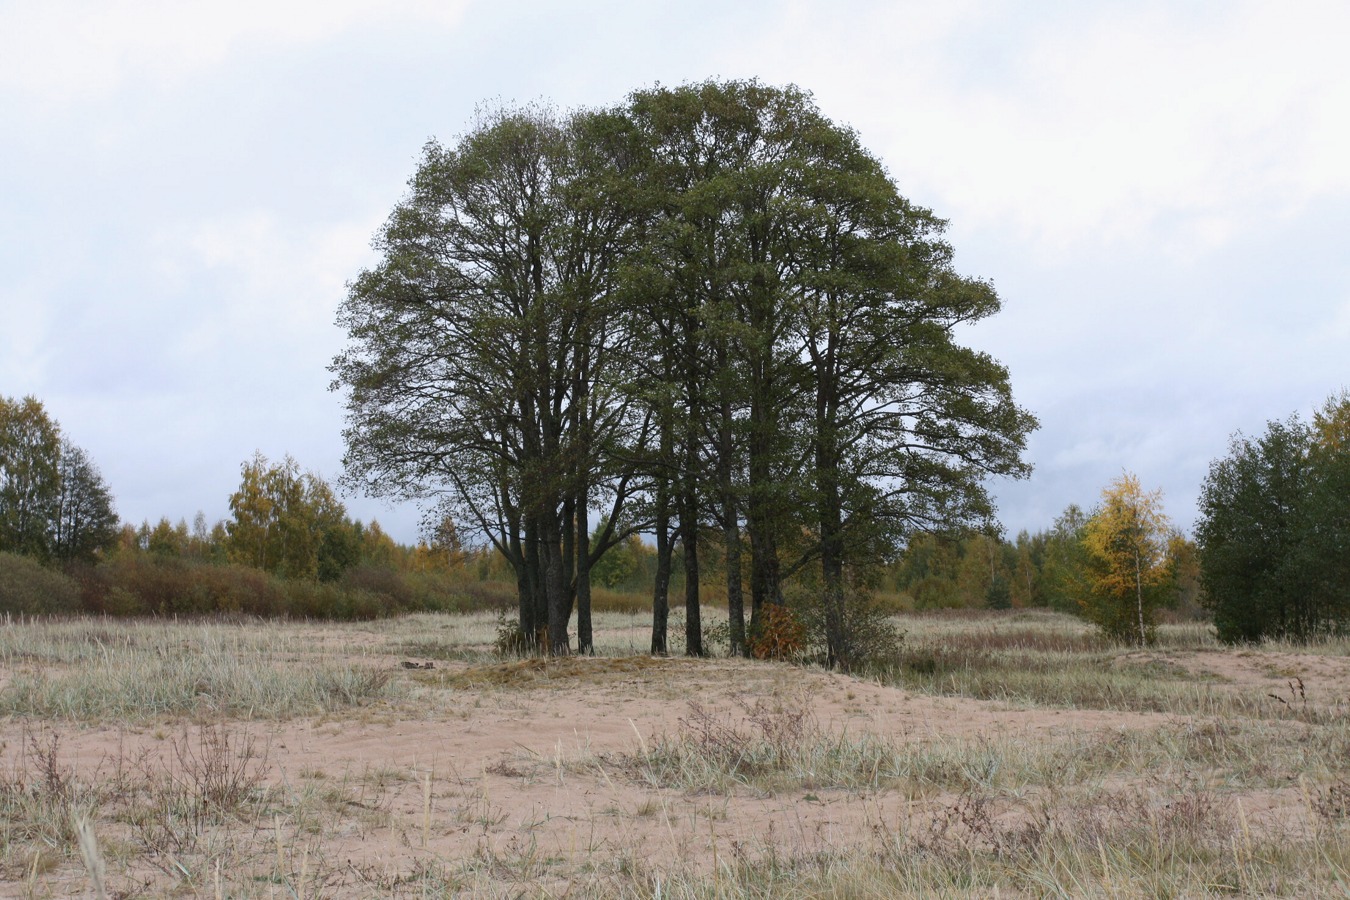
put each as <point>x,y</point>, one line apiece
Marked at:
<point>1129,532</point>
<point>1331,424</point>
<point>1127,540</point>
<point>279,517</point>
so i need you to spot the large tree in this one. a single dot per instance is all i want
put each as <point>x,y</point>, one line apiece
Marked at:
<point>710,309</point>
<point>482,370</point>
<point>824,400</point>
<point>30,476</point>
<point>84,520</point>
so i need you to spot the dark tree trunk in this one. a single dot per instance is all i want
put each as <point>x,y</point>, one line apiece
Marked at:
<point>585,641</point>
<point>555,588</point>
<point>661,588</point>
<point>731,528</point>
<point>534,574</point>
<point>693,626</point>
<point>524,590</point>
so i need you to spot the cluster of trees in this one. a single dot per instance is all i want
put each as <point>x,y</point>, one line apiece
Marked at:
<point>706,314</point>
<point>54,503</point>
<point>290,523</point>
<point>1274,530</point>
<point>1117,564</point>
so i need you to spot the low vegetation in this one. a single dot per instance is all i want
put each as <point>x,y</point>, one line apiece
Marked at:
<point>1184,770</point>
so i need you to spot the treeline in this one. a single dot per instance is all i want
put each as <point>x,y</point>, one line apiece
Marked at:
<point>1050,568</point>
<point>288,548</point>
<point>705,314</point>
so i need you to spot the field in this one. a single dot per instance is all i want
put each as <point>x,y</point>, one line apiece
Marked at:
<point>1005,755</point>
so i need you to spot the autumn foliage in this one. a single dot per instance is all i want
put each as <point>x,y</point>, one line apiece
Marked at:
<point>1127,541</point>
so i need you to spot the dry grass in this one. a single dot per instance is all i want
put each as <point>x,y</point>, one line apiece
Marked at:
<point>1230,792</point>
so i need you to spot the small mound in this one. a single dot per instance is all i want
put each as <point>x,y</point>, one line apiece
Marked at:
<point>538,671</point>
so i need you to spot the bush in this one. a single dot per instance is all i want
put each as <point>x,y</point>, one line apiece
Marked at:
<point>180,587</point>
<point>870,638</point>
<point>780,635</point>
<point>389,586</point>
<point>26,588</point>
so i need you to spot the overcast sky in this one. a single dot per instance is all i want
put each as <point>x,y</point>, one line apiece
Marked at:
<point>1160,192</point>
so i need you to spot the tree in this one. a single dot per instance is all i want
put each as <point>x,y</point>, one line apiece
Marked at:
<point>1247,532</point>
<point>709,309</point>
<point>483,365</point>
<point>1324,522</point>
<point>30,477</point>
<point>811,311</point>
<point>1064,571</point>
<point>1126,540</point>
<point>280,518</point>
<point>1274,529</point>
<point>85,522</point>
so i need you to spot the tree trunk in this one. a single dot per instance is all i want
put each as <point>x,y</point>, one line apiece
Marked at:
<point>1139,596</point>
<point>585,641</point>
<point>555,588</point>
<point>731,528</point>
<point>661,586</point>
<point>693,626</point>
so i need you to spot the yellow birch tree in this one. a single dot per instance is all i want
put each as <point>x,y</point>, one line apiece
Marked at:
<point>1126,540</point>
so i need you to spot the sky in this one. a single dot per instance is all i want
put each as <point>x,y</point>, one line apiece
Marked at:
<point>1159,191</point>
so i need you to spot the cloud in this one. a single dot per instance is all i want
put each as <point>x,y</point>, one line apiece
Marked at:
<point>1097,124</point>
<point>63,50</point>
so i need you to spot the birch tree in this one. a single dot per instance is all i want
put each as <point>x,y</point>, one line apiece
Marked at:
<point>1126,540</point>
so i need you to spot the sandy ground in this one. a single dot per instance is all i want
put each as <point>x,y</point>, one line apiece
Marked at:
<point>526,769</point>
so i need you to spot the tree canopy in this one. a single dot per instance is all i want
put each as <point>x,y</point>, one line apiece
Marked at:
<point>706,313</point>
<point>54,503</point>
<point>1274,529</point>
<point>1126,541</point>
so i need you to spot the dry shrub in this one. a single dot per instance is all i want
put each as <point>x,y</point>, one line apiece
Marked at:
<point>767,739</point>
<point>781,635</point>
<point>219,769</point>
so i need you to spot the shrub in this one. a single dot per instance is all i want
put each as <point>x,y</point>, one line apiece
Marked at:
<point>174,587</point>
<point>26,588</point>
<point>780,635</point>
<point>389,586</point>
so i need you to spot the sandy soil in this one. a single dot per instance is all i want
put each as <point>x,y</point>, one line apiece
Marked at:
<point>527,767</point>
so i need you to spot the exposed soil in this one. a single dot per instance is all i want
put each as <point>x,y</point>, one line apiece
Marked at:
<point>528,766</point>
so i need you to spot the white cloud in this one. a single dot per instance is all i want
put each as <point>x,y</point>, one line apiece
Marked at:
<point>60,50</point>
<point>1099,124</point>
<point>278,281</point>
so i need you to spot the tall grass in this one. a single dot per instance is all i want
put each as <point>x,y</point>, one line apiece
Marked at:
<point>102,669</point>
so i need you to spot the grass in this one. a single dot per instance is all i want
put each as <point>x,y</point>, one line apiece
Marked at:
<point>91,670</point>
<point>1042,659</point>
<point>1230,792</point>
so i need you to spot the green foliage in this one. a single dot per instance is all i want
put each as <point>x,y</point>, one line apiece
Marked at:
<point>54,504</point>
<point>1274,530</point>
<point>967,569</point>
<point>26,588</point>
<point>84,523</point>
<point>623,566</point>
<point>30,477</point>
<point>1065,566</point>
<point>869,640</point>
<point>711,293</point>
<point>282,519</point>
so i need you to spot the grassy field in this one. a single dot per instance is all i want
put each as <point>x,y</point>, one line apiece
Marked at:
<point>1010,754</point>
